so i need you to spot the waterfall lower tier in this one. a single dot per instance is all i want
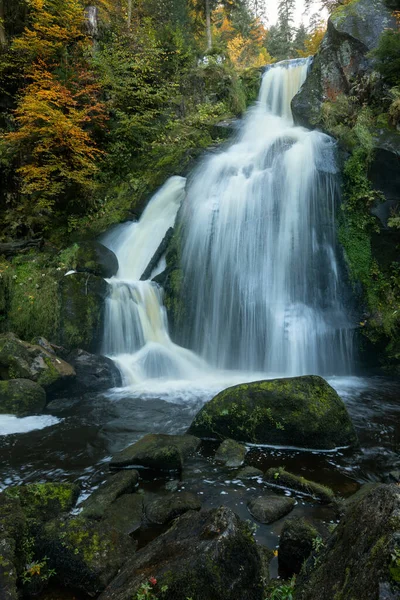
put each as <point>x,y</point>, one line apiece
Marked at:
<point>262,281</point>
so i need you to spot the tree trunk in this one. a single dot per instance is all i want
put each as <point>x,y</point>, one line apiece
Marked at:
<point>208,26</point>
<point>3,37</point>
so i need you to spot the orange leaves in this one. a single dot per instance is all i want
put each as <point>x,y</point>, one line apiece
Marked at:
<point>313,42</point>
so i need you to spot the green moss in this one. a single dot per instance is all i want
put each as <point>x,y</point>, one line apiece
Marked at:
<point>41,501</point>
<point>282,477</point>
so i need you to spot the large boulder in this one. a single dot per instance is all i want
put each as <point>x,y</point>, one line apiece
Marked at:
<point>206,555</point>
<point>362,557</point>
<point>295,545</point>
<point>353,30</point>
<point>163,510</point>
<point>231,454</point>
<point>301,411</point>
<point>82,297</point>
<point>157,451</point>
<point>268,509</point>
<point>99,501</point>
<point>19,359</point>
<point>91,257</point>
<point>84,554</point>
<point>21,397</point>
<point>94,373</point>
<point>125,514</point>
<point>41,502</point>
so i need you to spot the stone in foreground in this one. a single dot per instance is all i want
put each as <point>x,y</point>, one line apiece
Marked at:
<point>305,412</point>
<point>126,513</point>
<point>268,509</point>
<point>94,373</point>
<point>295,545</point>
<point>98,502</point>
<point>361,559</point>
<point>164,509</point>
<point>231,454</point>
<point>21,397</point>
<point>206,555</point>
<point>158,452</point>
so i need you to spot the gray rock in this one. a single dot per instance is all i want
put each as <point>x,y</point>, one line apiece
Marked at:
<point>125,514</point>
<point>231,454</point>
<point>157,451</point>
<point>249,473</point>
<point>164,509</point>
<point>99,501</point>
<point>204,555</point>
<point>21,397</point>
<point>94,373</point>
<point>268,509</point>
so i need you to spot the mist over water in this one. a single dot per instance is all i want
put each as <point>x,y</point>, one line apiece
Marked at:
<point>262,285</point>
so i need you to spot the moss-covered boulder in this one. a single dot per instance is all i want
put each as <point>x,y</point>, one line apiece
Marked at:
<point>82,297</point>
<point>85,555</point>
<point>93,257</point>
<point>249,473</point>
<point>21,397</point>
<point>157,451</point>
<point>270,508</point>
<point>206,555</point>
<point>295,545</point>
<point>165,509</point>
<point>42,502</point>
<point>301,411</point>
<point>98,502</point>
<point>231,454</point>
<point>125,514</point>
<point>19,359</point>
<point>362,557</point>
<point>281,478</point>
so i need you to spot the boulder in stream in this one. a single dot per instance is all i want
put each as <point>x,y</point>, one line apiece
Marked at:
<point>126,513</point>
<point>91,257</point>
<point>21,397</point>
<point>165,509</point>
<point>100,500</point>
<point>281,478</point>
<point>94,373</point>
<point>206,555</point>
<point>231,454</point>
<point>159,452</point>
<point>270,508</point>
<point>301,411</point>
<point>295,545</point>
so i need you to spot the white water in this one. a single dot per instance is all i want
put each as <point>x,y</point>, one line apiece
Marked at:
<point>261,274</point>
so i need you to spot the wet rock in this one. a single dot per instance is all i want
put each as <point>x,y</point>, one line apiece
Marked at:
<point>21,397</point>
<point>268,509</point>
<point>12,526</point>
<point>18,359</point>
<point>206,555</point>
<point>249,473</point>
<point>126,513</point>
<point>300,411</point>
<point>285,479</point>
<point>353,30</point>
<point>295,544</point>
<point>94,373</point>
<point>85,555</point>
<point>82,297</point>
<point>41,502</point>
<point>173,485</point>
<point>361,556</point>
<point>92,257</point>
<point>100,500</point>
<point>157,451</point>
<point>164,509</point>
<point>159,253</point>
<point>231,454</point>
<point>359,495</point>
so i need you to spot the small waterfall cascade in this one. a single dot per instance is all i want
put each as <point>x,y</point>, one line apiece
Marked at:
<point>260,258</point>
<point>136,330</point>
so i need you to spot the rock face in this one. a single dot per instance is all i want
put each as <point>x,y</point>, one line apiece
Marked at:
<point>18,359</point>
<point>208,555</point>
<point>94,373</point>
<point>82,298</point>
<point>98,502</point>
<point>21,397</point>
<point>301,411</point>
<point>163,510</point>
<point>295,545</point>
<point>157,451</point>
<point>353,30</point>
<point>231,454</point>
<point>268,509</point>
<point>361,558</point>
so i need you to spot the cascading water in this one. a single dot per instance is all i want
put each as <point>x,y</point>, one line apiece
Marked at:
<point>259,253</point>
<point>261,276</point>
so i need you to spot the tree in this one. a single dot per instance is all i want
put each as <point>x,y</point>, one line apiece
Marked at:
<point>300,39</point>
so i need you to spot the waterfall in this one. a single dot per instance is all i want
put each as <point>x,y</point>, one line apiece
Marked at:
<point>260,259</point>
<point>261,276</point>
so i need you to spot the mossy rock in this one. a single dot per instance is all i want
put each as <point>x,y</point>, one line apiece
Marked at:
<point>91,257</point>
<point>249,473</point>
<point>270,508</point>
<point>280,477</point>
<point>21,397</point>
<point>362,557</point>
<point>100,500</point>
<point>231,454</point>
<point>295,545</point>
<point>305,412</point>
<point>84,554</point>
<point>83,298</point>
<point>157,451</point>
<point>41,502</point>
<point>165,509</point>
<point>12,529</point>
<point>206,555</point>
<point>19,359</point>
<point>125,514</point>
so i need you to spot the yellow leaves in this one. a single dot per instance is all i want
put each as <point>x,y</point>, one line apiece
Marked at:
<point>313,42</point>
